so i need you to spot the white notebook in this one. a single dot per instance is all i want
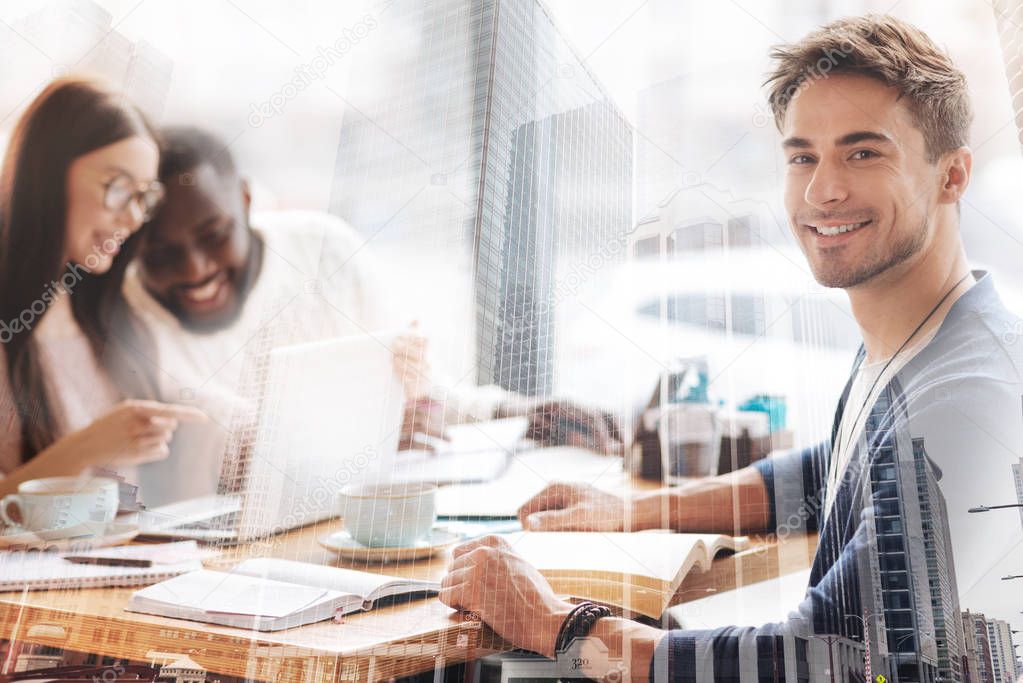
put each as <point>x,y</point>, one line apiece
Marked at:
<point>35,570</point>
<point>270,594</point>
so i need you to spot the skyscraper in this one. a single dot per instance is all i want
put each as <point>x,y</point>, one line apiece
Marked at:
<point>79,36</point>
<point>495,152</point>
<point>978,647</point>
<point>941,578</point>
<point>1003,656</point>
<point>920,603</point>
<point>971,664</point>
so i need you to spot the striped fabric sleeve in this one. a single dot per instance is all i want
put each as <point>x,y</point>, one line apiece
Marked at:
<point>771,651</point>
<point>795,486</point>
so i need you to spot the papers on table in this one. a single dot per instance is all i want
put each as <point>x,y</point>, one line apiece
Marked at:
<point>45,570</point>
<point>157,553</point>
<point>473,452</point>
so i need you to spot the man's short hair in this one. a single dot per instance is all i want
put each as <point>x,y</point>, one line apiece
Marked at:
<point>186,148</point>
<point>895,53</point>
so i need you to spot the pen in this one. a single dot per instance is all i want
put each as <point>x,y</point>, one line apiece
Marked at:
<point>109,561</point>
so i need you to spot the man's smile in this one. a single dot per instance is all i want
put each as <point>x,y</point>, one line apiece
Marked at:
<point>831,229</point>
<point>208,294</point>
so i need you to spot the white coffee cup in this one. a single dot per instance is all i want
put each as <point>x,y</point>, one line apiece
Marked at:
<point>389,515</point>
<point>61,503</point>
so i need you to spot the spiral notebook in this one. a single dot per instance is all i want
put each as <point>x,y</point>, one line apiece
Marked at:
<point>47,570</point>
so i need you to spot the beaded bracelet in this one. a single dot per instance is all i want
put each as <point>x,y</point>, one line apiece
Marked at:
<point>579,622</point>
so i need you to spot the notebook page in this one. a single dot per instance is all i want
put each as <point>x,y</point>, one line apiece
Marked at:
<point>158,553</point>
<point>32,570</point>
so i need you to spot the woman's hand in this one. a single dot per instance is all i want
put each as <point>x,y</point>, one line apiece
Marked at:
<point>132,433</point>
<point>425,418</point>
<point>411,364</point>
<point>489,578</point>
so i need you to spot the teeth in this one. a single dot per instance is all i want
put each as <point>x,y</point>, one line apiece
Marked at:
<point>205,293</point>
<point>831,231</point>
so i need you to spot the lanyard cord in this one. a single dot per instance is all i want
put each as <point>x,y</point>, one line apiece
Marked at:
<point>866,397</point>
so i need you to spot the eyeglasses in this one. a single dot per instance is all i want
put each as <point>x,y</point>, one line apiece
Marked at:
<point>123,192</point>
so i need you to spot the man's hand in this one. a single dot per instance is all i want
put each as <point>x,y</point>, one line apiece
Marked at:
<point>573,507</point>
<point>487,577</point>
<point>563,423</point>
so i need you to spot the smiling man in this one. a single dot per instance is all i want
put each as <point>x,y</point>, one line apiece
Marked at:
<point>214,284</point>
<point>929,425</point>
<point>210,281</point>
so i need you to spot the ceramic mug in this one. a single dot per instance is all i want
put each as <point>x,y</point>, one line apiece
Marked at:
<point>61,502</point>
<point>389,515</point>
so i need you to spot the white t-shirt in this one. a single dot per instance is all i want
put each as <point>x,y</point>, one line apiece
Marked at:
<point>872,378</point>
<point>317,281</point>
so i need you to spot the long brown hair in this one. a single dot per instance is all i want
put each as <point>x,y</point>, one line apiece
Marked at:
<point>70,118</point>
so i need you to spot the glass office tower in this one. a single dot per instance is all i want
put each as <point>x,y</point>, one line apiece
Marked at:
<point>493,152</point>
<point>1003,652</point>
<point>914,562</point>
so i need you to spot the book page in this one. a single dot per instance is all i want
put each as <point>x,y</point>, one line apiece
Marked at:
<point>361,584</point>
<point>221,592</point>
<point>660,556</point>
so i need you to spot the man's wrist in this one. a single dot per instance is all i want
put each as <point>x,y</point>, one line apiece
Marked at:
<point>643,512</point>
<point>629,643</point>
<point>553,627</point>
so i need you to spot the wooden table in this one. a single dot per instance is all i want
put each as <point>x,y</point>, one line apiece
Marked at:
<point>396,640</point>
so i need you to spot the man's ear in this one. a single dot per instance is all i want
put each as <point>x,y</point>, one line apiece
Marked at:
<point>958,166</point>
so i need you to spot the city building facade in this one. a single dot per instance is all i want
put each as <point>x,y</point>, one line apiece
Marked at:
<point>498,151</point>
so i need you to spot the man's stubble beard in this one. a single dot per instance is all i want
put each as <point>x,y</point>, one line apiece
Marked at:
<point>861,273</point>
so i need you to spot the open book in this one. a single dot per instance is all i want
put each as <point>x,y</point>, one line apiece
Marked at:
<point>270,594</point>
<point>638,572</point>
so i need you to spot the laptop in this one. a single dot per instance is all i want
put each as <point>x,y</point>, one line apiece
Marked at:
<point>471,453</point>
<point>330,416</point>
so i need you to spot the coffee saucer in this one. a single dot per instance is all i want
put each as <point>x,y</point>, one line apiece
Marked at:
<point>76,538</point>
<point>348,548</point>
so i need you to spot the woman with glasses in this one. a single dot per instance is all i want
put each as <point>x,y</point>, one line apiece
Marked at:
<point>78,181</point>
